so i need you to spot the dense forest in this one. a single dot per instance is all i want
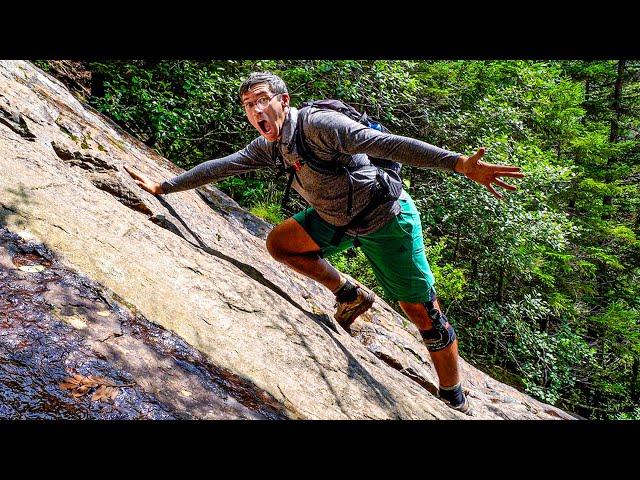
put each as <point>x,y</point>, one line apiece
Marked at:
<point>543,286</point>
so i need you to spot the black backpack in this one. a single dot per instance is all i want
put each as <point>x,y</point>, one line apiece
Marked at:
<point>389,185</point>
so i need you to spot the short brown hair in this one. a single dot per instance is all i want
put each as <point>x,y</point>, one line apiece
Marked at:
<point>275,83</point>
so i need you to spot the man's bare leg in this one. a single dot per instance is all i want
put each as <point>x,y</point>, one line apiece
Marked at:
<point>290,244</point>
<point>446,360</point>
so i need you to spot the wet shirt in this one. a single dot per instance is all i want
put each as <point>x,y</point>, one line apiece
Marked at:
<point>332,137</point>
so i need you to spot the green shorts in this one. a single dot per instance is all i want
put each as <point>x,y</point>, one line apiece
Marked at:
<point>395,251</point>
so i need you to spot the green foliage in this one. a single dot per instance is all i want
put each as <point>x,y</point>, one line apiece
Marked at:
<point>354,263</point>
<point>43,64</point>
<point>450,280</point>
<point>268,211</point>
<point>175,106</point>
<point>633,415</point>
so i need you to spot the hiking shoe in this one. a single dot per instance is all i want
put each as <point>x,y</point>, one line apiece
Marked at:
<point>347,312</point>
<point>464,407</point>
<point>449,398</point>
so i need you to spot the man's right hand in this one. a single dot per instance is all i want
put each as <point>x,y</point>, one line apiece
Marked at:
<point>486,173</point>
<point>143,182</point>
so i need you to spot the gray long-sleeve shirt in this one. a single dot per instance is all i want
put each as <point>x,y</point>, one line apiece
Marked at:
<point>332,137</point>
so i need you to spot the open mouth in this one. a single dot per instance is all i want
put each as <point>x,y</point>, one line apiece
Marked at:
<point>265,127</point>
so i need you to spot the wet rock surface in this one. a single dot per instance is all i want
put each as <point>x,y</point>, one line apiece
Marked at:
<point>55,323</point>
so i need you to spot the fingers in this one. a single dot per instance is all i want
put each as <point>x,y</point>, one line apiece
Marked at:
<point>144,186</point>
<point>475,158</point>
<point>509,174</point>
<point>492,190</point>
<point>138,179</point>
<point>130,172</point>
<point>504,184</point>
<point>135,175</point>
<point>507,168</point>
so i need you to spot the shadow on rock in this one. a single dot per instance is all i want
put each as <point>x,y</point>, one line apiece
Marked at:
<point>55,324</point>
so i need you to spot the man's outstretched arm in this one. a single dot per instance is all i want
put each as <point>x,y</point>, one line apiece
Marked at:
<point>332,130</point>
<point>254,156</point>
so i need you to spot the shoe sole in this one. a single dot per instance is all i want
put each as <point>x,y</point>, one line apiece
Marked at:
<point>363,307</point>
<point>464,408</point>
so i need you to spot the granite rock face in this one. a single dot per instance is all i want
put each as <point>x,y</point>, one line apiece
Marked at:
<point>195,264</point>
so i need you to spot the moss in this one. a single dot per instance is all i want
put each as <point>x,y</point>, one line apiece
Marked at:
<point>315,308</point>
<point>85,143</point>
<point>117,143</point>
<point>68,133</point>
<point>132,308</point>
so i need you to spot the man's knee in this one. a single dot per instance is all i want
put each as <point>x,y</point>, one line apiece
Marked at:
<point>440,336</point>
<point>275,244</point>
<point>289,238</point>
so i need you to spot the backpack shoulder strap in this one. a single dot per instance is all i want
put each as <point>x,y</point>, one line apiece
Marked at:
<point>302,146</point>
<point>278,161</point>
<point>299,136</point>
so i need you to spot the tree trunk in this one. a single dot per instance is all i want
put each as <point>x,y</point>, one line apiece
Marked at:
<point>635,397</point>
<point>615,106</point>
<point>614,130</point>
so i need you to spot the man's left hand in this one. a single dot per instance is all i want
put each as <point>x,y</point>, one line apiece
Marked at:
<point>486,173</point>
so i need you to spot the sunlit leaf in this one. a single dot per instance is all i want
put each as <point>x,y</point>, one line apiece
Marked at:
<point>32,268</point>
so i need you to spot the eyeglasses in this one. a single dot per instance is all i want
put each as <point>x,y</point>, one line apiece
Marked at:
<point>262,102</point>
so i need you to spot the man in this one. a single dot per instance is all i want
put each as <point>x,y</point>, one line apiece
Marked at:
<point>390,234</point>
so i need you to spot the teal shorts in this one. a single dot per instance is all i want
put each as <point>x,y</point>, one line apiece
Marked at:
<point>395,251</point>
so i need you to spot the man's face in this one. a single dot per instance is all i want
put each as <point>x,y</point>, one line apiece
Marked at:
<point>267,120</point>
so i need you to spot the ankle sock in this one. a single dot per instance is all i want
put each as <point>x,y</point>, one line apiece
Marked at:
<point>453,394</point>
<point>346,293</point>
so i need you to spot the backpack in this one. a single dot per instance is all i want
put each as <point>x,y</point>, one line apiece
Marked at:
<point>389,182</point>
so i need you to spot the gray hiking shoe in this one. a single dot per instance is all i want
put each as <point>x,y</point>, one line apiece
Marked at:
<point>462,406</point>
<point>347,312</point>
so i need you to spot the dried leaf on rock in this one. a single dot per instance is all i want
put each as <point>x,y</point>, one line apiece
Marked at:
<point>80,385</point>
<point>99,394</point>
<point>114,393</point>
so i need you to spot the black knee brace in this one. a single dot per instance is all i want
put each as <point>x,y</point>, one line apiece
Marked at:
<point>439,336</point>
